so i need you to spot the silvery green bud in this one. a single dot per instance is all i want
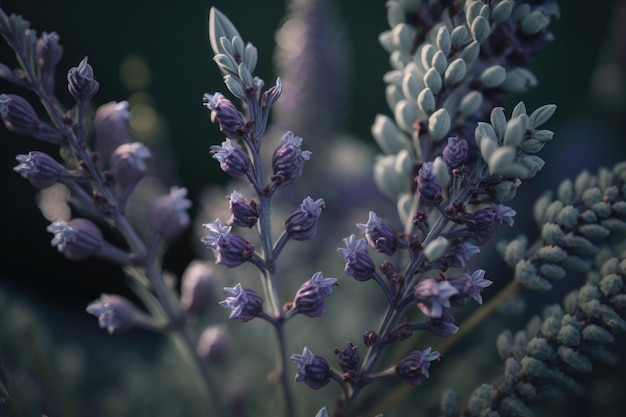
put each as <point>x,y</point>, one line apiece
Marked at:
<point>472,10</point>
<point>436,248</point>
<point>250,57</point>
<point>245,75</point>
<point>501,160</point>
<point>552,271</point>
<point>110,127</point>
<point>387,135</point>
<point>395,14</point>
<point>443,40</point>
<point>513,406</point>
<point>504,341</point>
<point>455,71</point>
<point>470,53</point>
<point>432,80</point>
<point>405,113</point>
<point>493,76</point>
<point>515,131</point>
<point>386,40</point>
<point>501,11</point>
<point>534,23</point>
<point>506,190</point>
<point>403,37</point>
<point>526,274</point>
<point>439,124</point>
<point>569,336</point>
<point>539,348</point>
<point>518,80</point>
<point>439,62</point>
<point>426,101</point>
<point>426,55</point>
<point>220,27</point>
<point>386,177</point>
<point>481,399</point>
<point>574,359</point>
<point>449,404</point>
<point>460,36</point>
<point>470,103</point>
<point>598,334</point>
<point>235,86</point>
<point>480,29</point>
<point>411,85</point>
<point>542,115</point>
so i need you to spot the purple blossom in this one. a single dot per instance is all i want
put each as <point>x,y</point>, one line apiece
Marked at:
<point>128,162</point>
<point>348,358</point>
<point>169,213</point>
<point>483,222</point>
<point>77,239</point>
<point>230,249</point>
<point>301,223</point>
<point>309,299</point>
<point>115,313</point>
<point>196,287</point>
<point>414,368</point>
<point>312,369</point>
<point>288,160</point>
<point>81,82</point>
<point>244,212</point>
<point>244,303</point>
<point>233,160</point>
<point>40,169</point>
<point>469,286</point>
<point>18,115</point>
<point>433,296</point>
<point>380,236</point>
<point>427,184</point>
<point>359,265</point>
<point>226,115</point>
<point>443,326</point>
<point>48,50</point>
<point>455,152</point>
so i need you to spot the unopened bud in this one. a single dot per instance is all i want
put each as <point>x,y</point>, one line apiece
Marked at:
<point>40,169</point>
<point>77,239</point>
<point>81,82</point>
<point>169,213</point>
<point>128,162</point>
<point>196,287</point>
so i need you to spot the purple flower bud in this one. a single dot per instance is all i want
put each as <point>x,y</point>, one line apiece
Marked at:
<point>427,184</point>
<point>288,160</point>
<point>380,236</point>
<point>110,126</point>
<point>483,223</point>
<point>128,162</point>
<point>80,82</point>
<point>244,212</point>
<point>433,296</point>
<point>18,115</point>
<point>196,287</point>
<point>48,50</point>
<point>469,286</point>
<point>233,160</point>
<point>414,368</point>
<point>244,303</point>
<point>169,213</point>
<point>460,255</point>
<point>224,112</point>
<point>272,94</point>
<point>301,223</point>
<point>309,299</point>
<point>443,326</point>
<point>455,152</point>
<point>230,249</point>
<point>312,369</point>
<point>359,265</point>
<point>115,313</point>
<point>348,358</point>
<point>40,169</point>
<point>212,344</point>
<point>77,239</point>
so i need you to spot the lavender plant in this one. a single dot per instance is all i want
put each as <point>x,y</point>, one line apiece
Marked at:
<point>453,158</point>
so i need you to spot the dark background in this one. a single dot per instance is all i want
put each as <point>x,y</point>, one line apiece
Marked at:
<point>172,39</point>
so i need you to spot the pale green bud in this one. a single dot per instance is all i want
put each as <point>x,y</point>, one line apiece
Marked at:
<point>518,110</point>
<point>443,41</point>
<point>405,114</point>
<point>611,284</point>
<point>588,216</point>
<point>552,271</point>
<point>526,390</point>
<point>245,75</point>
<point>590,196</point>
<point>439,124</point>
<point>534,325</point>
<point>470,103</point>
<point>235,86</point>
<point>455,71</point>
<point>439,62</point>
<point>480,29</point>
<point>553,210</point>
<point>614,225</point>
<point>506,190</point>
<point>386,178</point>
<point>493,76</point>
<point>515,251</point>
<point>542,115</point>
<point>565,191</point>
<point>619,207</point>
<point>519,80</point>
<point>387,135</point>
<point>602,209</point>
<point>488,146</point>
<point>498,121</point>
<point>520,341</point>
<point>567,217</point>
<point>574,359</point>
<point>386,40</point>
<point>403,37</point>
<point>411,86</point>
<point>226,64</point>
<point>237,46</point>
<point>543,135</point>
<point>449,404</point>
<point>511,371</point>
<point>470,53</point>
<point>552,254</point>
<point>526,274</point>
<point>569,336</point>
<point>504,343</point>
<point>441,172</point>
<point>433,80</point>
<point>426,55</point>
<point>534,367</point>
<point>579,243</point>
<point>460,36</point>
<point>485,131</point>
<point>532,163</point>
<point>513,406</point>
<point>598,334</point>
<point>502,11</point>
<point>501,159</point>
<point>395,14</point>
<point>399,59</point>
<point>472,10</point>
<point>405,206</point>
<point>393,95</point>
<point>539,348</point>
<point>436,248</point>
<point>552,233</point>
<point>588,293</point>
<point>426,101</point>
<point>532,146</point>
<point>220,26</point>
<point>515,131</point>
<point>593,231</point>
<point>480,400</point>
<point>404,164</point>
<point>409,5</point>
<point>574,263</point>
<point>250,56</point>
<point>551,326</point>
<point>534,23</point>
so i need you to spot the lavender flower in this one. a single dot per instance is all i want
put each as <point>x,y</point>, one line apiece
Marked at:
<point>348,358</point>
<point>115,313</point>
<point>288,160</point>
<point>433,296</point>
<point>110,127</point>
<point>244,303</point>
<point>312,369</point>
<point>40,169</point>
<point>443,326</point>
<point>301,223</point>
<point>469,286</point>
<point>244,212</point>
<point>49,51</point>
<point>169,213</point>
<point>233,160</point>
<point>359,265</point>
<point>483,222</point>
<point>18,115</point>
<point>456,151</point>
<point>77,239</point>
<point>380,236</point>
<point>427,184</point>
<point>81,82</point>
<point>226,115</point>
<point>196,287</point>
<point>128,162</point>
<point>309,299</point>
<point>414,368</point>
<point>230,249</point>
